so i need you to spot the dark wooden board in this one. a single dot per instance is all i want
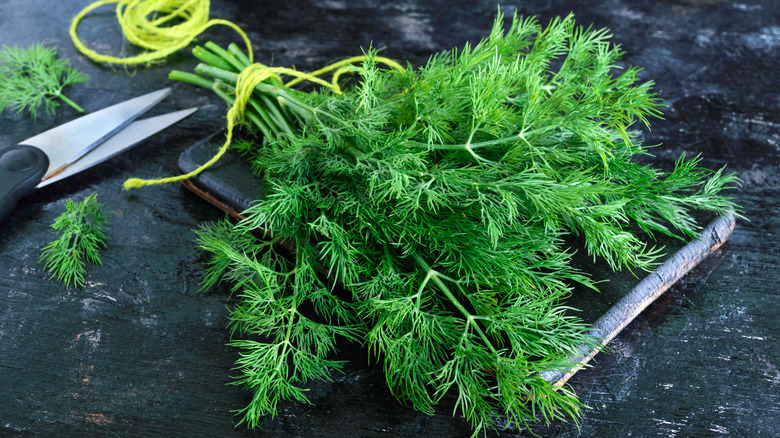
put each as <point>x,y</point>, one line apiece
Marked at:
<point>139,352</point>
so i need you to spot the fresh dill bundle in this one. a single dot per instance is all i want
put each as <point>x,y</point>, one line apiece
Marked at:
<point>81,234</point>
<point>430,214</point>
<point>34,76</point>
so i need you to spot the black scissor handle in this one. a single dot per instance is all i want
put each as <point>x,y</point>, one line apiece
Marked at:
<point>21,169</point>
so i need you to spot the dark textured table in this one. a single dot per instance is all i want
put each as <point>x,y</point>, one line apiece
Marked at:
<point>139,352</point>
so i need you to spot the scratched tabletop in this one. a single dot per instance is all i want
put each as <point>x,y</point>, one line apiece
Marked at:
<point>140,351</point>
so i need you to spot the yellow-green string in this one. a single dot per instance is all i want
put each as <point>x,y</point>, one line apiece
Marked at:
<point>147,24</point>
<point>342,68</point>
<point>247,80</point>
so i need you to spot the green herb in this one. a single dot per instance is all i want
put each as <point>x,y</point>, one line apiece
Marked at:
<point>34,76</point>
<point>430,215</point>
<point>81,229</point>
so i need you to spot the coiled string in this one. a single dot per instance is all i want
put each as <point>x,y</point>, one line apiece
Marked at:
<point>160,26</point>
<point>165,26</point>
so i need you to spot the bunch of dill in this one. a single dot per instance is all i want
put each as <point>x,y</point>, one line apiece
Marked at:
<point>428,211</point>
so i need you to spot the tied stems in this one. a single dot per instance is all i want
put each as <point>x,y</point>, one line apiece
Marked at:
<point>72,104</point>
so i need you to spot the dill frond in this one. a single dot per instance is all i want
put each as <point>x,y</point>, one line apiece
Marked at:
<point>31,77</point>
<point>81,231</point>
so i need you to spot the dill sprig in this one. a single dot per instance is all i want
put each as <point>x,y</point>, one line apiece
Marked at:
<point>34,76</point>
<point>81,234</point>
<point>429,213</point>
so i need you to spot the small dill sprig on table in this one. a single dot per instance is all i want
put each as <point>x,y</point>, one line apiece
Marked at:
<point>34,76</point>
<point>81,235</point>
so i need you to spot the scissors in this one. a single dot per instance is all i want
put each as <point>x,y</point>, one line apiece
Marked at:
<point>78,145</point>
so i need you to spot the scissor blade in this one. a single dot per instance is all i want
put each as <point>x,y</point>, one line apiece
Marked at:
<point>69,142</point>
<point>121,141</point>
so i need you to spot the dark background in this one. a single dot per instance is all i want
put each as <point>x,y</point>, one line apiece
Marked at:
<point>140,352</point>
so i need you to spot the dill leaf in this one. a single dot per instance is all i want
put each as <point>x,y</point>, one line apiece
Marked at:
<point>33,76</point>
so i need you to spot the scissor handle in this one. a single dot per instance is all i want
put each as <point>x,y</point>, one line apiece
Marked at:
<point>21,169</point>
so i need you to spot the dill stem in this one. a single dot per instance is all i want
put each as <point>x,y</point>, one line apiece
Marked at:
<point>273,122</point>
<point>194,79</point>
<point>210,58</point>
<point>249,113</point>
<point>225,55</point>
<point>276,114</point>
<point>466,146</point>
<point>287,336</point>
<point>432,274</point>
<point>265,123</point>
<point>258,117</point>
<point>70,102</point>
<point>239,55</point>
<point>293,310</point>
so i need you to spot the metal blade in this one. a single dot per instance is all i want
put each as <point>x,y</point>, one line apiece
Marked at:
<point>70,141</point>
<point>121,141</point>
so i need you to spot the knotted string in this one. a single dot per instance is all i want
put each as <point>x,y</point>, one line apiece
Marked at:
<point>160,26</point>
<point>247,80</point>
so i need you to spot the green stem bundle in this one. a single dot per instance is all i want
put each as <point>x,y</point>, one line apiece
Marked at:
<point>70,103</point>
<point>273,110</point>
